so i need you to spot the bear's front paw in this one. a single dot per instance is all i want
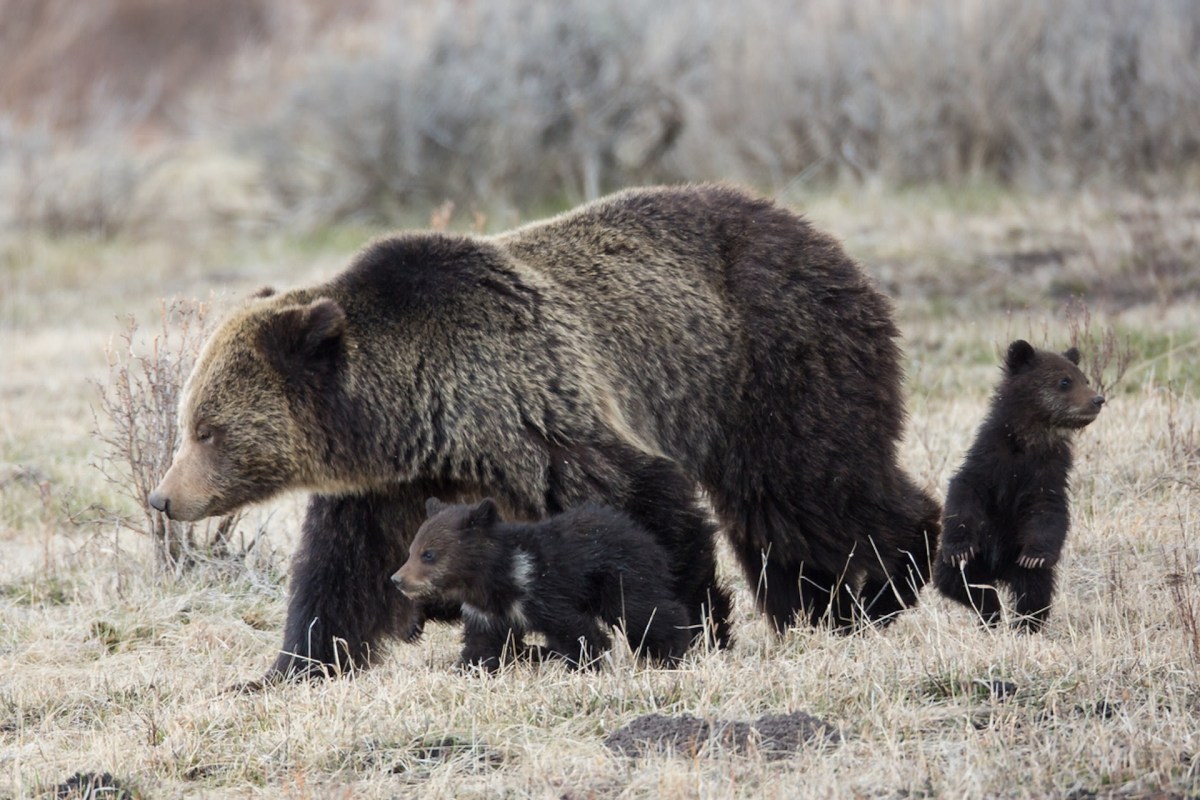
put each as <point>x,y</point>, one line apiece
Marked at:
<point>477,665</point>
<point>1034,560</point>
<point>958,556</point>
<point>410,633</point>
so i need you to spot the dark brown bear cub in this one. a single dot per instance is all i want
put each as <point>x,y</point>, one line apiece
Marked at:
<point>1006,514</point>
<point>555,577</point>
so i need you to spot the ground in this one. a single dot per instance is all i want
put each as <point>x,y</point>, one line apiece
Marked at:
<point>112,666</point>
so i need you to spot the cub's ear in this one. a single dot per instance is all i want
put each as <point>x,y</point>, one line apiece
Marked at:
<point>266,291</point>
<point>433,506</point>
<point>484,515</point>
<point>1020,355</point>
<point>1072,355</point>
<point>304,342</point>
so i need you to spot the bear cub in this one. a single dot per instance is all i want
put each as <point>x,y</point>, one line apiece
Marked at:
<point>555,577</point>
<point>1006,515</point>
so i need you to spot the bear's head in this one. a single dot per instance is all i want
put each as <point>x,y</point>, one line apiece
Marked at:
<point>1047,391</point>
<point>250,414</point>
<point>448,554</point>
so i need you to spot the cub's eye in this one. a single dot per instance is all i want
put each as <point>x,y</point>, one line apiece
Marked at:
<point>1065,383</point>
<point>204,433</point>
<point>429,556</point>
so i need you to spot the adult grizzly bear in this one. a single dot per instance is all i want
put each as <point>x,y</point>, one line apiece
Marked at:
<point>627,352</point>
<point>1007,512</point>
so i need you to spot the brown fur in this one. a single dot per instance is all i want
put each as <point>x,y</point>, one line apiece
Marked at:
<point>459,558</point>
<point>628,352</point>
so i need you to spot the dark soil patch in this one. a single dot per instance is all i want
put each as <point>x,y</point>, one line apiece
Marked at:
<point>772,735</point>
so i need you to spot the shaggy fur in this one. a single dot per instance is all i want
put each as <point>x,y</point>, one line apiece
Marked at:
<point>1006,516</point>
<point>555,577</point>
<point>629,352</point>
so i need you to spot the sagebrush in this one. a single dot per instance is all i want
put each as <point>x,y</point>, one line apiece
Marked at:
<point>136,421</point>
<point>369,111</point>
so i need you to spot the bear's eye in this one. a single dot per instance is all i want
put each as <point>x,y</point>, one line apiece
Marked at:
<point>1065,383</point>
<point>429,556</point>
<point>204,433</point>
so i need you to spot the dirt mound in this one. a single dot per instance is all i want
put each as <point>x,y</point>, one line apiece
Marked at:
<point>772,735</point>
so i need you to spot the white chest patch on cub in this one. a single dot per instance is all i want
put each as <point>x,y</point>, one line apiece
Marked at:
<point>522,577</point>
<point>522,570</point>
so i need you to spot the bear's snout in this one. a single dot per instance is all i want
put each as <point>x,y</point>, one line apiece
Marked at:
<point>159,502</point>
<point>1098,400</point>
<point>411,582</point>
<point>399,582</point>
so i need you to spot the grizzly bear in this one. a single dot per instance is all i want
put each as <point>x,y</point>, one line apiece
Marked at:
<point>634,351</point>
<point>555,577</point>
<point>1006,514</point>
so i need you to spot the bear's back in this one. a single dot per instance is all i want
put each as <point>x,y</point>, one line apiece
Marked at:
<point>591,542</point>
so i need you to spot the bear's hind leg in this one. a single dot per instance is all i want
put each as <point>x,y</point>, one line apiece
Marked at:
<point>663,500</point>
<point>902,557</point>
<point>577,639</point>
<point>1033,591</point>
<point>828,600</point>
<point>777,588</point>
<point>655,625</point>
<point>885,596</point>
<point>788,592</point>
<point>883,600</point>
<point>970,588</point>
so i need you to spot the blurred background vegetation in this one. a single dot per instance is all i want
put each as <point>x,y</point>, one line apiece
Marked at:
<point>173,116</point>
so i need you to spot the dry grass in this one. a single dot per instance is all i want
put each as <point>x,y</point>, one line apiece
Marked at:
<point>110,666</point>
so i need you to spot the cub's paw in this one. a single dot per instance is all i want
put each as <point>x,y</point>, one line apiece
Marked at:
<point>411,630</point>
<point>957,556</point>
<point>1031,561</point>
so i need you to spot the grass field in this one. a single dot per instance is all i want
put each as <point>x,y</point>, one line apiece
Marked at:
<point>111,664</point>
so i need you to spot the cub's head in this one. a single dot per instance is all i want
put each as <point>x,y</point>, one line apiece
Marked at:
<point>250,415</point>
<point>1048,390</point>
<point>445,557</point>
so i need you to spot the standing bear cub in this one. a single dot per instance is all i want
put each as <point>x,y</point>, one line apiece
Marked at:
<point>555,577</point>
<point>1006,514</point>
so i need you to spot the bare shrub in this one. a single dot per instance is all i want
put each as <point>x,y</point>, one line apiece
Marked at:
<point>522,102</point>
<point>366,112</point>
<point>59,189</point>
<point>511,100</point>
<point>1106,355</point>
<point>136,421</point>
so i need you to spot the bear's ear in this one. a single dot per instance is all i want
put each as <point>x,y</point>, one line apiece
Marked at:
<point>1072,354</point>
<point>484,515</point>
<point>1020,355</point>
<point>304,342</point>
<point>433,506</point>
<point>266,291</point>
